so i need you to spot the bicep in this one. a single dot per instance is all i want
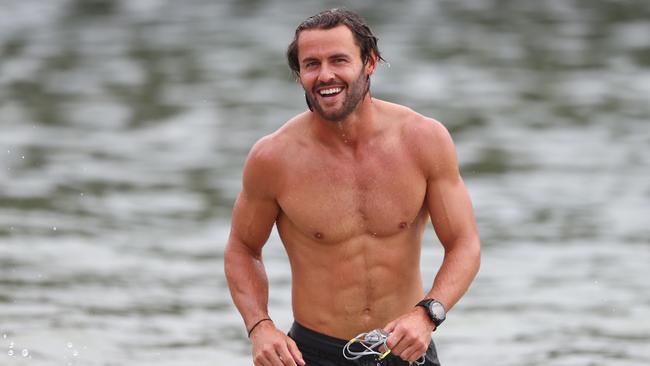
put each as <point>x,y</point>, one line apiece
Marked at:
<point>252,220</point>
<point>450,209</point>
<point>256,208</point>
<point>448,201</point>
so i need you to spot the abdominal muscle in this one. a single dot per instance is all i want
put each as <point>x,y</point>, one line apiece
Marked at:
<point>345,288</point>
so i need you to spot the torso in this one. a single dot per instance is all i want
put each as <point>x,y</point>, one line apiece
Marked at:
<point>351,222</point>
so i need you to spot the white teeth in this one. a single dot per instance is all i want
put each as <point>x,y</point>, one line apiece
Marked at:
<point>330,91</point>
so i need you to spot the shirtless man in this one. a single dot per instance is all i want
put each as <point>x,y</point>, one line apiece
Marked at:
<point>350,185</point>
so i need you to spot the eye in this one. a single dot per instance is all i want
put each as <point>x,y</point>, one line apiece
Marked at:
<point>310,64</point>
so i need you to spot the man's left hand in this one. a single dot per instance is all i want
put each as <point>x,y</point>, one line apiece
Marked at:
<point>410,334</point>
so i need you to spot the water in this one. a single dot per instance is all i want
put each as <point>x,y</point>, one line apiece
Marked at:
<point>124,126</point>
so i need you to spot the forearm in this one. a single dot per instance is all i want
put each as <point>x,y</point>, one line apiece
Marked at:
<point>459,268</point>
<point>247,281</point>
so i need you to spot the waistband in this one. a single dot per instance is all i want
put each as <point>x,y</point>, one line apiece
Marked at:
<point>315,341</point>
<point>322,346</point>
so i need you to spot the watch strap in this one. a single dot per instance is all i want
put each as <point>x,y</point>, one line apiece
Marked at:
<point>425,303</point>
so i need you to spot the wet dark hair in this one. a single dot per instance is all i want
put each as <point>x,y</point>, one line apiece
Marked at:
<point>332,18</point>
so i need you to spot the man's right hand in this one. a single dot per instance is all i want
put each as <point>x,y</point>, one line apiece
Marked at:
<point>271,347</point>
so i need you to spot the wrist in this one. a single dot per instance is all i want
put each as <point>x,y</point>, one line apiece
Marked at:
<point>258,324</point>
<point>434,310</point>
<point>426,319</point>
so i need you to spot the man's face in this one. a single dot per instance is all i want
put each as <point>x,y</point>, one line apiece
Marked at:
<point>331,71</point>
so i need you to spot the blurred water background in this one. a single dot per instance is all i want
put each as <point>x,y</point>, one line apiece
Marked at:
<point>124,126</point>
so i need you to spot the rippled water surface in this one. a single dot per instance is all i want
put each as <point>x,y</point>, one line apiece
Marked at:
<point>124,126</point>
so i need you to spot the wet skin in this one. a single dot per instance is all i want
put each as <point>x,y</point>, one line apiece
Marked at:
<point>352,223</point>
<point>331,72</point>
<point>350,190</point>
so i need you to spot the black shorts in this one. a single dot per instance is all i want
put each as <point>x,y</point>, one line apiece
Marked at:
<point>322,350</point>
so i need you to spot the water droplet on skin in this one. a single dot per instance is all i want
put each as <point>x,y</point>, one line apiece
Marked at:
<point>10,352</point>
<point>4,336</point>
<point>11,344</point>
<point>54,228</point>
<point>69,344</point>
<point>25,353</point>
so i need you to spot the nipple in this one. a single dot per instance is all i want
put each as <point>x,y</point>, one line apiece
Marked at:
<point>403,225</point>
<point>318,235</point>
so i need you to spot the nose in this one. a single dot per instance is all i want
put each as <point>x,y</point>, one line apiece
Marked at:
<point>325,73</point>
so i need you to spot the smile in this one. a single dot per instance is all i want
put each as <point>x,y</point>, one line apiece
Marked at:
<point>330,91</point>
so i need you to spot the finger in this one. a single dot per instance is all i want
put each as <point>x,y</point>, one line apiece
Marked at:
<point>382,348</point>
<point>394,340</point>
<point>404,355</point>
<point>406,341</point>
<point>261,360</point>
<point>411,353</point>
<point>270,356</point>
<point>399,346</point>
<point>286,357</point>
<point>417,357</point>
<point>390,326</point>
<point>276,361</point>
<point>295,352</point>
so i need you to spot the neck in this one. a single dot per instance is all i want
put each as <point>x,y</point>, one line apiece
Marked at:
<point>354,128</point>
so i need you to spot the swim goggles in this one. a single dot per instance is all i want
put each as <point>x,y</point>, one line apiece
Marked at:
<point>371,344</point>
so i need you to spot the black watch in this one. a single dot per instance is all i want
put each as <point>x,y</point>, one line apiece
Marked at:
<point>435,310</point>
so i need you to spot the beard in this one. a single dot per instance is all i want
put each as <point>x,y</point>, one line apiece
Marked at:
<point>354,94</point>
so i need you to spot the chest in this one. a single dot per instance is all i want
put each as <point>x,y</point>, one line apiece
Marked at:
<point>379,191</point>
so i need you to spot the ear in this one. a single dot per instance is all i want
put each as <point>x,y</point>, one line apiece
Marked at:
<point>371,64</point>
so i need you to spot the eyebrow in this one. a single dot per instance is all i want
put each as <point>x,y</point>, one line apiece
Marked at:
<point>308,59</point>
<point>339,55</point>
<point>334,56</point>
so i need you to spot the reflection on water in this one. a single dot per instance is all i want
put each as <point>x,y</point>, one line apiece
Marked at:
<point>124,125</point>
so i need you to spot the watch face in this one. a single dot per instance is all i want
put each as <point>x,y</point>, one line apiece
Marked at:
<point>437,310</point>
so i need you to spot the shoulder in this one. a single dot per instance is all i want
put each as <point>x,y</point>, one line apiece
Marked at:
<point>415,129</point>
<point>427,140</point>
<point>268,156</point>
<point>425,132</point>
<point>413,125</point>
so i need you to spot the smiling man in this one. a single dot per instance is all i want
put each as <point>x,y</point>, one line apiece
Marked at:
<point>350,185</point>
